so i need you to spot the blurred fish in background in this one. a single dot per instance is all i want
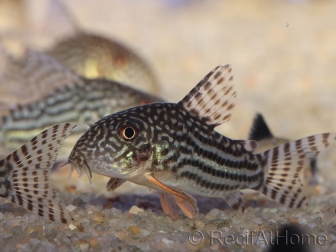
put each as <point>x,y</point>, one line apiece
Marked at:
<point>92,56</point>
<point>74,98</point>
<point>261,133</point>
<point>85,77</point>
<point>98,57</point>
<point>95,56</point>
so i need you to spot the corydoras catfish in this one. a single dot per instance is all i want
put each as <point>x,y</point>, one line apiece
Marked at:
<point>62,96</point>
<point>173,148</point>
<point>95,56</point>
<point>25,174</point>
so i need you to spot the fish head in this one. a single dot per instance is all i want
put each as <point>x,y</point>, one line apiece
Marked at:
<point>124,144</point>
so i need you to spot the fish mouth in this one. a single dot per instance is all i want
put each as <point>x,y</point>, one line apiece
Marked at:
<point>80,169</point>
<point>104,165</point>
<point>110,169</point>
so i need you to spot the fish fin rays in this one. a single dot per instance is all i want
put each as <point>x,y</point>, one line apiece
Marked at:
<point>316,178</point>
<point>169,205</point>
<point>284,168</point>
<point>236,200</point>
<point>46,73</point>
<point>259,129</point>
<point>38,73</point>
<point>189,207</point>
<point>213,98</point>
<point>186,202</point>
<point>30,174</point>
<point>114,183</point>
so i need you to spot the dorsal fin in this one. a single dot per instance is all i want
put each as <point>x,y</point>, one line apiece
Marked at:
<point>37,74</point>
<point>212,100</point>
<point>259,129</point>
<point>44,72</point>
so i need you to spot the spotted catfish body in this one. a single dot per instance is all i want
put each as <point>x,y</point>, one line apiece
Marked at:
<point>174,148</point>
<point>24,174</point>
<point>64,96</point>
<point>261,133</point>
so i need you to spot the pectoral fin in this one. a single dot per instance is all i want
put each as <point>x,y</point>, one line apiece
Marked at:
<point>114,183</point>
<point>169,205</point>
<point>236,200</point>
<point>186,202</point>
<point>189,208</point>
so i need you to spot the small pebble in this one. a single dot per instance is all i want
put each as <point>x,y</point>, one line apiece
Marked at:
<point>134,229</point>
<point>199,224</point>
<point>210,228</point>
<point>72,226</point>
<point>84,245</point>
<point>70,208</point>
<point>93,242</point>
<point>144,232</point>
<point>135,210</point>
<point>167,241</point>
<point>99,227</point>
<point>98,217</point>
<point>257,221</point>
<point>302,220</point>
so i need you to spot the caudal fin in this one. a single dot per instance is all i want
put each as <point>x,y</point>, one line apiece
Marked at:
<point>284,165</point>
<point>25,174</point>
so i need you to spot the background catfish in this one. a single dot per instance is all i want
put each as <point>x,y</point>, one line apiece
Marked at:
<point>62,96</point>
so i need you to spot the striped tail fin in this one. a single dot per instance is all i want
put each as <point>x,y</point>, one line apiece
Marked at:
<point>25,174</point>
<point>284,166</point>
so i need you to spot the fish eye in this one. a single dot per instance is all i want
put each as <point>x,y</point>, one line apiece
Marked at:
<point>128,132</point>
